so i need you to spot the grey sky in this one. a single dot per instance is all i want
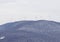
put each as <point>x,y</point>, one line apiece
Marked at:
<point>6,1</point>
<point>14,10</point>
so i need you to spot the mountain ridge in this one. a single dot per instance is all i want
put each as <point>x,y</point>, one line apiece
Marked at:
<point>31,31</point>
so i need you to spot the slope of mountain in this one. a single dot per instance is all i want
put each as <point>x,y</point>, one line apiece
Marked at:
<point>30,31</point>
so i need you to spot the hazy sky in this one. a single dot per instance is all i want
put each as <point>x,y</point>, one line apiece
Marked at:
<point>14,10</point>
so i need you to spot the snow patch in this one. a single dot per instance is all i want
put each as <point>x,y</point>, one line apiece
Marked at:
<point>3,37</point>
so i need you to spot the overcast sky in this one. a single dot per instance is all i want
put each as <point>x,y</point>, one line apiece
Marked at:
<point>15,10</point>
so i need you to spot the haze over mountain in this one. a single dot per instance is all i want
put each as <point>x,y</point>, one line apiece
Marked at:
<point>15,10</point>
<point>30,31</point>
